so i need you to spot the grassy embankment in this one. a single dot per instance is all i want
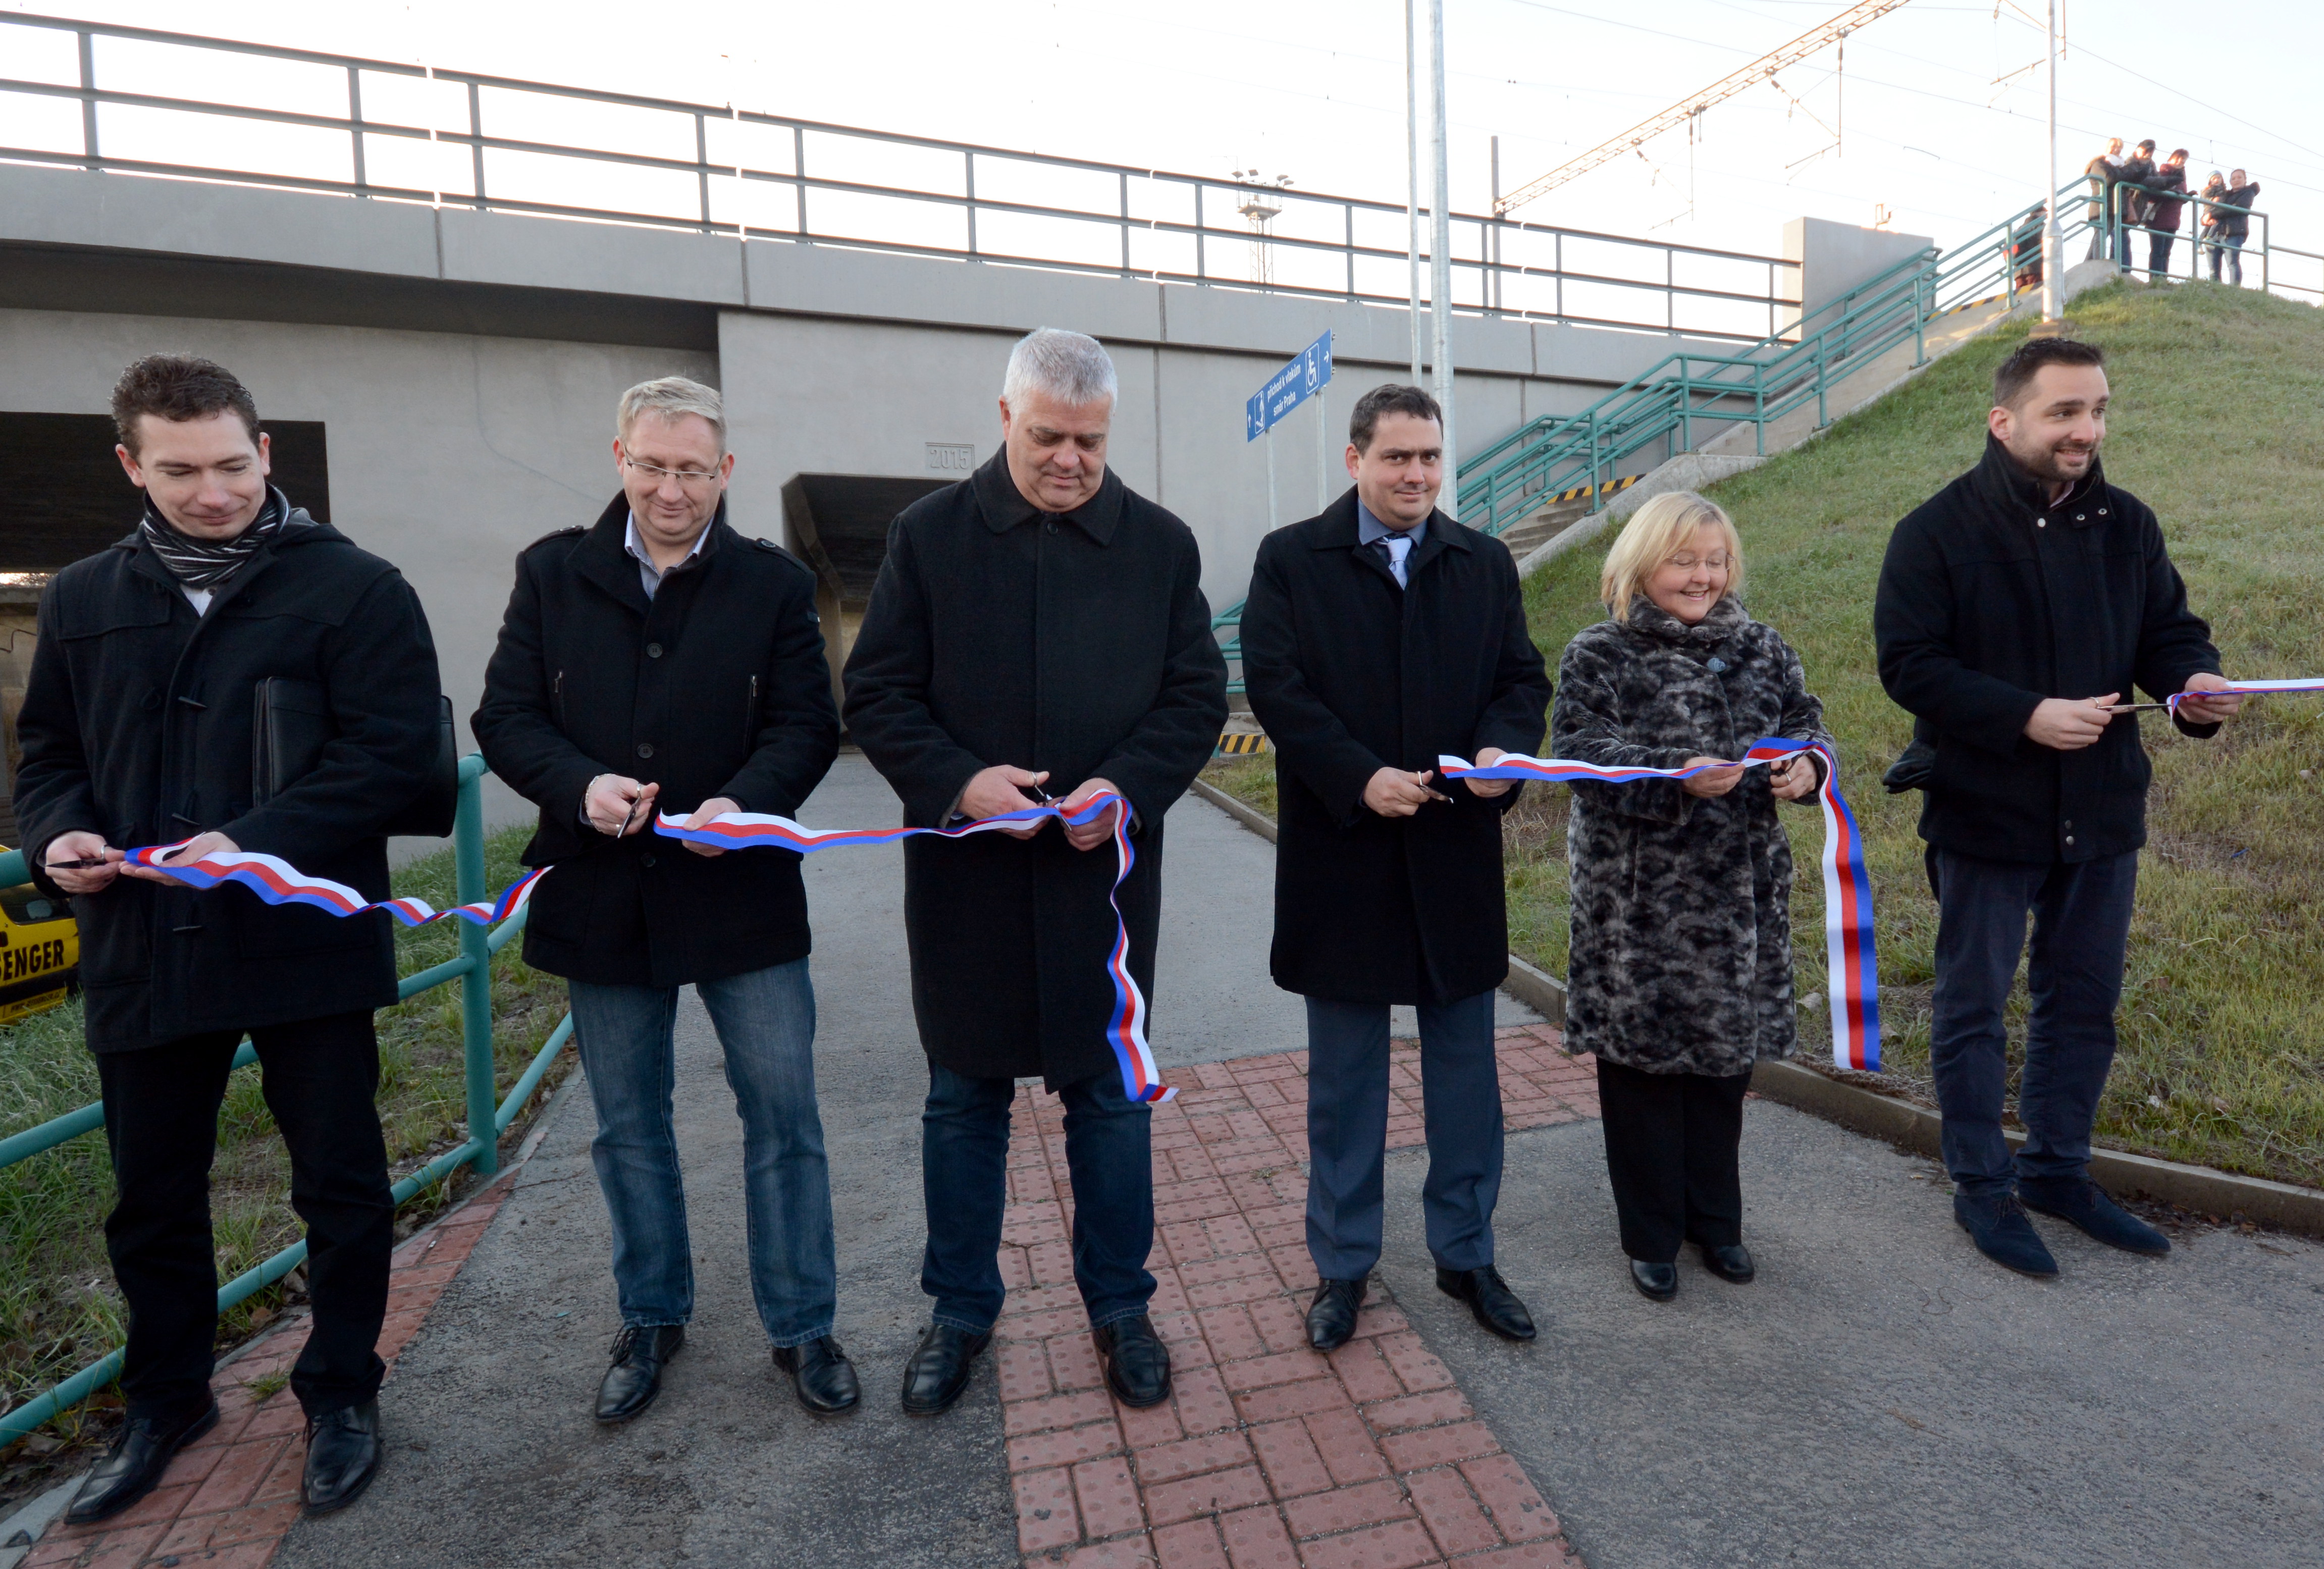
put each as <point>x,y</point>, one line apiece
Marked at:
<point>59,1310</point>
<point>2218,422</point>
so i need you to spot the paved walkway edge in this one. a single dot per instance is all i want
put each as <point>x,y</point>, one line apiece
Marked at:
<point>1915,1128</point>
<point>1534,987</point>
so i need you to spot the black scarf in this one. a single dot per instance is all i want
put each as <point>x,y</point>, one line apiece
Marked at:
<point>201,564</point>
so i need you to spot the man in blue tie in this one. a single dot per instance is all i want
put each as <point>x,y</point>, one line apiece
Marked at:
<point>1377,637</point>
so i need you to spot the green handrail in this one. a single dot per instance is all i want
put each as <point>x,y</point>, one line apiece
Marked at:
<point>487,1119</point>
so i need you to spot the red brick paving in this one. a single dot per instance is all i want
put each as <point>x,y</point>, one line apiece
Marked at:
<point>229,1498</point>
<point>1266,1455</point>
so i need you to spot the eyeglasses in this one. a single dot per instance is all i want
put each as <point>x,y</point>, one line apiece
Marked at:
<point>1689,563</point>
<point>691,478</point>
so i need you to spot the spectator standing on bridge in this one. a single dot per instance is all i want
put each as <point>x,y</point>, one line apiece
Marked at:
<point>1680,980</point>
<point>2165,207</point>
<point>2015,610</point>
<point>2131,200</point>
<point>1378,636</point>
<point>2102,171</point>
<point>136,729</point>
<point>658,662</point>
<point>1038,624</point>
<point>2233,223</point>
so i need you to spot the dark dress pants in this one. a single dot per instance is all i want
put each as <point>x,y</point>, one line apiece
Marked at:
<point>1672,1142</point>
<point>2158,256</point>
<point>965,1171</point>
<point>2081,929</point>
<point>161,1124</point>
<point>1347,1132</point>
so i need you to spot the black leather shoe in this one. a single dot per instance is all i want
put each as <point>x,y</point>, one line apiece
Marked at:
<point>135,1464</point>
<point>1332,1317</point>
<point>342,1458</point>
<point>1655,1282</point>
<point>940,1368</point>
<point>1137,1363</point>
<point>821,1372</point>
<point>2001,1231</point>
<point>640,1353</point>
<point>2079,1202</point>
<point>1732,1262</point>
<point>1490,1300</point>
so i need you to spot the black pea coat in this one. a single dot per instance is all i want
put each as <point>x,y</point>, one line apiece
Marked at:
<point>714,686</point>
<point>136,725</point>
<point>1992,598</point>
<point>1077,643</point>
<point>1350,674</point>
<point>1681,952</point>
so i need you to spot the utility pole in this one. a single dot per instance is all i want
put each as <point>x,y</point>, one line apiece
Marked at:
<point>1412,194</point>
<point>1440,258</point>
<point>2053,292</point>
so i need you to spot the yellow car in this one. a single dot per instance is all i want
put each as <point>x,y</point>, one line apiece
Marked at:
<point>40,952</point>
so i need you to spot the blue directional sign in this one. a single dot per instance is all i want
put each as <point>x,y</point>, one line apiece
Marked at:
<point>1309,372</point>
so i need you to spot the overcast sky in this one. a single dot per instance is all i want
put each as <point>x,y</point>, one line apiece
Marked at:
<point>1936,124</point>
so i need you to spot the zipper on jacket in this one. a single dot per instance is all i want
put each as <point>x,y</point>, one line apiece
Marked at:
<point>557,697</point>
<point>751,719</point>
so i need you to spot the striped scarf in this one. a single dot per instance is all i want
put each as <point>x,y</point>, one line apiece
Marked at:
<point>205,563</point>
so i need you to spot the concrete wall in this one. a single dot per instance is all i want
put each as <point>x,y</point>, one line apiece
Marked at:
<point>449,452</point>
<point>1832,258</point>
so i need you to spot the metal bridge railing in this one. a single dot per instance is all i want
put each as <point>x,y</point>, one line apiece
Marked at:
<point>487,1120</point>
<point>392,131</point>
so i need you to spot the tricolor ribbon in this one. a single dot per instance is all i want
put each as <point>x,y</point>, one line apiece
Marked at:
<point>1125,1031</point>
<point>277,882</point>
<point>1854,985</point>
<point>2249,689</point>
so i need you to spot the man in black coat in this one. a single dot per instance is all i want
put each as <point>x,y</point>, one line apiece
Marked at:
<point>657,661</point>
<point>1038,623</point>
<point>2163,209</point>
<point>136,730</point>
<point>1377,637</point>
<point>2015,610</point>
<point>2231,223</point>
<point>2130,199</point>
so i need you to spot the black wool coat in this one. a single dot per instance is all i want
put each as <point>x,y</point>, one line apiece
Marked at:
<point>1680,959</point>
<point>1077,643</point>
<point>1992,598</point>
<point>136,725</point>
<point>1350,674</point>
<point>714,686</point>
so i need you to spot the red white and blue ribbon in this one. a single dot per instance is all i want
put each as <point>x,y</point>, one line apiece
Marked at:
<point>1125,1029</point>
<point>1854,986</point>
<point>2250,688</point>
<point>277,882</point>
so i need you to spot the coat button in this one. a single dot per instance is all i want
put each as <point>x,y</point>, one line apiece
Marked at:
<point>648,860</point>
<point>2069,824</point>
<point>2070,839</point>
<point>645,748</point>
<point>1050,527</point>
<point>653,650</point>
<point>2079,518</point>
<point>152,701</point>
<point>2041,522</point>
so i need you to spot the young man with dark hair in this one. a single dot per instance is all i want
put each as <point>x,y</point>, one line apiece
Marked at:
<point>2016,608</point>
<point>2130,201</point>
<point>137,728</point>
<point>1377,637</point>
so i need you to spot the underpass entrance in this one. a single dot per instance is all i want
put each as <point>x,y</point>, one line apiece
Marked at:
<point>838,524</point>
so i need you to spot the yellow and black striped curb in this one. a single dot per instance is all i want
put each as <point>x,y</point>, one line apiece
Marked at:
<point>1973,304</point>
<point>1579,491</point>
<point>1240,743</point>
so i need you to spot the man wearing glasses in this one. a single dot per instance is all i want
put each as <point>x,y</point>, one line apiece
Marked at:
<point>659,662</point>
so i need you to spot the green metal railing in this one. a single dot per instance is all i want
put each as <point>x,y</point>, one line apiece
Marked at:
<point>487,1120</point>
<point>1660,411</point>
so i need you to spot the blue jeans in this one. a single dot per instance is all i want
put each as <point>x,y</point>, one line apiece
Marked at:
<point>964,1168</point>
<point>1347,1132</point>
<point>765,1020</point>
<point>2081,929</point>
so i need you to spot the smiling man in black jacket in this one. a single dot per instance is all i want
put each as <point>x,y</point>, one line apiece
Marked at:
<point>2016,609</point>
<point>136,730</point>
<point>657,661</point>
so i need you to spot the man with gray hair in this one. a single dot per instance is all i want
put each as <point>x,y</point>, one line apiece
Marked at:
<point>1038,624</point>
<point>659,662</point>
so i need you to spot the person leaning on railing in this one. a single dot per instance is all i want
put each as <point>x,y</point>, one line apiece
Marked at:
<point>2102,171</point>
<point>658,662</point>
<point>137,729</point>
<point>2230,223</point>
<point>2166,206</point>
<point>1680,979</point>
<point>2130,201</point>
